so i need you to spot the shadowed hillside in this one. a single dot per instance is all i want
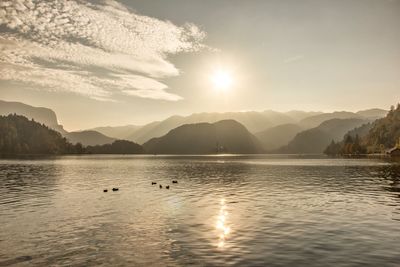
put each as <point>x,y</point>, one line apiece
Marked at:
<point>49,118</point>
<point>376,137</point>
<point>39,114</point>
<point>316,120</point>
<point>89,138</point>
<point>117,132</point>
<point>18,135</point>
<point>227,136</point>
<point>254,121</point>
<point>278,136</point>
<point>315,140</point>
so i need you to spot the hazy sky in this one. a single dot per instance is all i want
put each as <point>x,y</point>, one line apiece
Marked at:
<point>129,62</point>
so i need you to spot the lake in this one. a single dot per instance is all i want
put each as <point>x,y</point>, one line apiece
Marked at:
<point>224,211</point>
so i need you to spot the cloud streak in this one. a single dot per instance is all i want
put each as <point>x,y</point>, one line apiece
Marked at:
<point>60,45</point>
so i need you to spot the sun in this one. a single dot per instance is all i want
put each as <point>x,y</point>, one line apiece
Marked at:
<point>222,80</point>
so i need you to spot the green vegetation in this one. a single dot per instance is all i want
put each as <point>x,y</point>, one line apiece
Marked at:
<point>315,140</point>
<point>18,135</point>
<point>376,137</point>
<point>21,136</point>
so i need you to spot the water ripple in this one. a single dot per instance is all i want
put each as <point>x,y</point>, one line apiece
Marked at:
<point>224,211</point>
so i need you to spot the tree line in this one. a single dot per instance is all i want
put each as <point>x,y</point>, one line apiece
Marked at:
<point>376,137</point>
<point>19,135</point>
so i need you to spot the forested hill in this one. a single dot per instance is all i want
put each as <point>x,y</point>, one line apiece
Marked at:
<point>376,137</point>
<point>21,136</point>
<point>227,136</point>
<point>39,114</point>
<point>385,132</point>
<point>18,135</point>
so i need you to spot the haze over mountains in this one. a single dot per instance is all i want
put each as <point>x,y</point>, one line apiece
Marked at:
<point>39,114</point>
<point>226,136</point>
<point>278,132</point>
<point>49,118</point>
<point>316,139</point>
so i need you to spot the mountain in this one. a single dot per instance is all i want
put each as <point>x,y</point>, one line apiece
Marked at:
<point>362,130</point>
<point>376,137</point>
<point>117,132</point>
<point>19,135</point>
<point>316,120</point>
<point>315,140</point>
<point>49,118</point>
<point>374,113</point>
<point>42,115</point>
<point>369,114</point>
<point>88,138</point>
<point>252,120</point>
<point>278,136</point>
<point>226,136</point>
<point>155,129</point>
<point>299,115</point>
<point>385,132</point>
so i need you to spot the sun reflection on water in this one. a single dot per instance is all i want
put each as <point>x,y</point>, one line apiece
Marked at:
<point>222,227</point>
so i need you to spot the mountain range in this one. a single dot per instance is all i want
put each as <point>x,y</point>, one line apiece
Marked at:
<point>254,121</point>
<point>278,132</point>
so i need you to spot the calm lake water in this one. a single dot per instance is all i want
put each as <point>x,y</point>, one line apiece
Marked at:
<point>224,211</point>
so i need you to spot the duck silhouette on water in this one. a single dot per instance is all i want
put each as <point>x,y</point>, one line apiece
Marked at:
<point>174,181</point>
<point>115,189</point>
<point>153,183</point>
<point>160,186</point>
<point>167,187</point>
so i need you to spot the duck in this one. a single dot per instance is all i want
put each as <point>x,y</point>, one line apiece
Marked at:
<point>167,187</point>
<point>105,190</point>
<point>160,186</point>
<point>153,183</point>
<point>174,181</point>
<point>115,189</point>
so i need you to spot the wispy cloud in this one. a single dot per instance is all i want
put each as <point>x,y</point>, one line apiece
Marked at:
<point>62,45</point>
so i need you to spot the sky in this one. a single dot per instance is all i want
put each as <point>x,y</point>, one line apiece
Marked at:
<point>98,63</point>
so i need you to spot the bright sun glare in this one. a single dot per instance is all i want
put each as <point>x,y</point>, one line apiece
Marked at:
<point>222,80</point>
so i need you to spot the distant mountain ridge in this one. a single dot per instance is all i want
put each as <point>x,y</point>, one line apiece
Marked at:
<point>273,129</point>
<point>254,121</point>
<point>42,115</point>
<point>48,117</point>
<point>226,136</point>
<point>275,137</point>
<point>380,136</point>
<point>315,140</point>
<point>20,135</point>
<point>89,138</point>
<point>117,132</point>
